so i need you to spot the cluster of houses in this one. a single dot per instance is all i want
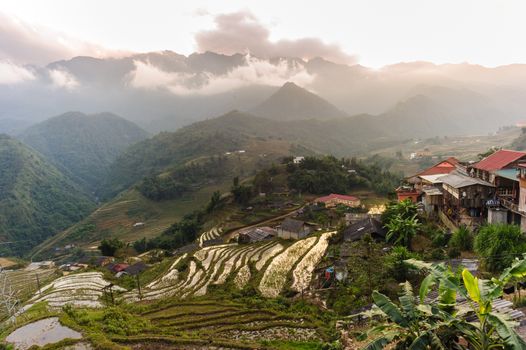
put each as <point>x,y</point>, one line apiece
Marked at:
<point>295,229</point>
<point>492,190</point>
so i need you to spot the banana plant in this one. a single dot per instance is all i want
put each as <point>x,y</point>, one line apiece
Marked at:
<point>412,325</point>
<point>491,330</point>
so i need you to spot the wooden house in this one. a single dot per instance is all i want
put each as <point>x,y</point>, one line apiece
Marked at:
<point>293,229</point>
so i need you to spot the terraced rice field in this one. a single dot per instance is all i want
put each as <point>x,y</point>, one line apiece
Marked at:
<point>230,325</point>
<point>79,290</point>
<point>214,233</point>
<point>207,266</point>
<point>24,282</point>
<point>215,265</point>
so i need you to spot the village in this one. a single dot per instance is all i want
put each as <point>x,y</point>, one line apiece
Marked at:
<point>492,190</point>
<point>332,250</point>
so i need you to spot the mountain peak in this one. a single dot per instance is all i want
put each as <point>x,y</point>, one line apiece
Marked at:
<point>292,102</point>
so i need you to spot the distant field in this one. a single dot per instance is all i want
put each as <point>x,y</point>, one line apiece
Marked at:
<point>117,219</point>
<point>5,262</point>
<point>465,148</point>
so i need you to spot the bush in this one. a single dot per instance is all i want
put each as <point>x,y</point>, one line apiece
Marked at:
<point>116,321</point>
<point>108,247</point>
<point>453,252</point>
<point>439,239</point>
<point>462,239</point>
<point>498,245</point>
<point>397,268</point>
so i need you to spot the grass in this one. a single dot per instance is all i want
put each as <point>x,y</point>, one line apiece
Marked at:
<point>204,321</point>
<point>116,219</point>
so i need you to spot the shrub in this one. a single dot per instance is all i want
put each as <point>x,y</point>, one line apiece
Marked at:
<point>453,252</point>
<point>439,239</point>
<point>462,239</point>
<point>116,321</point>
<point>397,268</point>
<point>498,245</point>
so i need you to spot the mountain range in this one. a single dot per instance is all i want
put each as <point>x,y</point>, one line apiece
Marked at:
<point>165,90</point>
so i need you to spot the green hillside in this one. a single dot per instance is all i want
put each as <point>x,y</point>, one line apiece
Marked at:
<point>36,199</point>
<point>117,217</point>
<point>236,131</point>
<point>83,146</point>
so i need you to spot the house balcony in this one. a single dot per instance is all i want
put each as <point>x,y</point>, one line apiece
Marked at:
<point>511,205</point>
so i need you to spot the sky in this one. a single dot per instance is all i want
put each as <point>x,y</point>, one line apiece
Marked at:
<point>373,33</point>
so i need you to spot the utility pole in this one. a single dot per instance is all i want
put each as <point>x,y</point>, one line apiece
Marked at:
<point>8,297</point>
<point>38,284</point>
<point>139,286</point>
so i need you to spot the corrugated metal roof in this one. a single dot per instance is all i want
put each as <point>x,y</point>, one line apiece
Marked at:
<point>434,179</point>
<point>458,180</point>
<point>499,160</point>
<point>432,191</point>
<point>508,174</point>
<point>443,167</point>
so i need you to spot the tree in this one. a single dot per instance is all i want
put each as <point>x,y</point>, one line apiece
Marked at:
<point>498,245</point>
<point>401,230</point>
<point>241,193</point>
<point>406,209</point>
<point>214,203</point>
<point>108,247</point>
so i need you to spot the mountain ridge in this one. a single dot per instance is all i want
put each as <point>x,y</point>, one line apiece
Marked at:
<point>81,145</point>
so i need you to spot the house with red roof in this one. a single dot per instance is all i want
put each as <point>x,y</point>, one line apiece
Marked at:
<point>502,159</point>
<point>501,170</point>
<point>334,199</point>
<point>427,183</point>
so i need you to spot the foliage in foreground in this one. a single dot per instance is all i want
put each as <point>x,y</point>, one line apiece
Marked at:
<point>442,324</point>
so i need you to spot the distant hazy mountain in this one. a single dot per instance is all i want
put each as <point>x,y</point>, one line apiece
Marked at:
<point>11,126</point>
<point>36,199</point>
<point>83,145</point>
<point>165,90</point>
<point>439,111</point>
<point>292,102</point>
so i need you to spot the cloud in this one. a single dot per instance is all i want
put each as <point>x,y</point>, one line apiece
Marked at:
<point>12,74</point>
<point>27,44</point>
<point>255,71</point>
<point>63,79</point>
<point>240,32</point>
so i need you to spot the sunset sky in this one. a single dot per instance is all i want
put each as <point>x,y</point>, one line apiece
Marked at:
<point>370,32</point>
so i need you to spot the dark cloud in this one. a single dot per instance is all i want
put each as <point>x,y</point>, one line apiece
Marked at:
<point>240,32</point>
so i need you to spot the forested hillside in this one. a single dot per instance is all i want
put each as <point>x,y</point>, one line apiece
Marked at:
<point>36,199</point>
<point>235,131</point>
<point>83,146</point>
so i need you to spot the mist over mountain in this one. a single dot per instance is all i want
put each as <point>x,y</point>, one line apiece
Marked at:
<point>83,146</point>
<point>36,199</point>
<point>166,90</point>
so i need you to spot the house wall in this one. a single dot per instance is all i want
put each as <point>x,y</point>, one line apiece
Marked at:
<point>402,196</point>
<point>497,216</point>
<point>522,195</point>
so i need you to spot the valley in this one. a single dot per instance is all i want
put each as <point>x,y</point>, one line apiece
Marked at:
<point>243,200</point>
